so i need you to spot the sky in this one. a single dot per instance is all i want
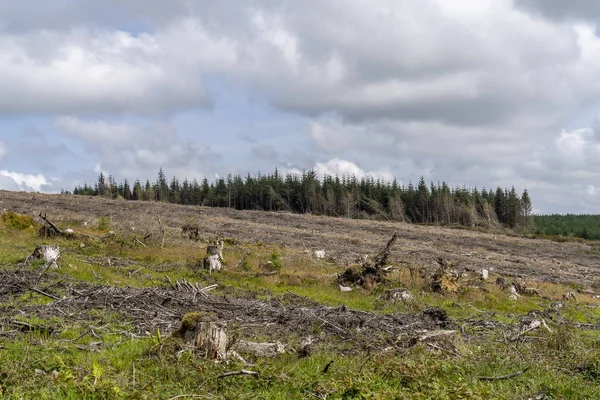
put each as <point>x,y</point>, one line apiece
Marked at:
<point>479,93</point>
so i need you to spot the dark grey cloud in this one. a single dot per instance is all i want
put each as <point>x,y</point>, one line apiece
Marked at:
<point>474,66</point>
<point>477,92</point>
<point>561,10</point>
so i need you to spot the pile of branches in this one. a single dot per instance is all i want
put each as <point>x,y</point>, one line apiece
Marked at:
<point>148,309</point>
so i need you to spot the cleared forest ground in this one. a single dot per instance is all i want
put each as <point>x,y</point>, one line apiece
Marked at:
<point>99,325</point>
<point>570,262</point>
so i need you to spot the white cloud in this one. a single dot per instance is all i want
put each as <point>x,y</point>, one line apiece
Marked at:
<point>2,150</point>
<point>591,190</point>
<point>311,57</point>
<point>109,71</point>
<point>128,150</point>
<point>22,182</point>
<point>467,92</point>
<point>341,167</point>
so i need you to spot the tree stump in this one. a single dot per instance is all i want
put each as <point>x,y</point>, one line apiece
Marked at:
<point>205,334</point>
<point>445,279</point>
<point>50,254</point>
<point>209,338</point>
<point>214,256</point>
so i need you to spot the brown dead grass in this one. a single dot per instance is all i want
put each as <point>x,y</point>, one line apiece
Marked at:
<point>344,241</point>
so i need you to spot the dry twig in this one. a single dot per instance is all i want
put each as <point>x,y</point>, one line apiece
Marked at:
<point>240,372</point>
<point>502,377</point>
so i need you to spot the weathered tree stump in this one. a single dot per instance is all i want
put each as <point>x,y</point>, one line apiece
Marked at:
<point>202,332</point>
<point>214,256</point>
<point>205,334</point>
<point>192,231</point>
<point>445,278</point>
<point>50,254</point>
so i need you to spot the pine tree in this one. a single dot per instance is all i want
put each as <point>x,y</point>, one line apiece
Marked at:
<point>514,209</point>
<point>101,185</point>
<point>149,192</point>
<point>138,192</point>
<point>127,194</point>
<point>161,186</point>
<point>526,211</point>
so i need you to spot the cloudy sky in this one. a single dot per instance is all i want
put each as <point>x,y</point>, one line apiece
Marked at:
<point>478,93</point>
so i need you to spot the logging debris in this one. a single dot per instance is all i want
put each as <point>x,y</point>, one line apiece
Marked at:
<point>445,278</point>
<point>369,274</point>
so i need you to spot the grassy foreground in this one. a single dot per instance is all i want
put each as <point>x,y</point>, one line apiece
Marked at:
<point>52,346</point>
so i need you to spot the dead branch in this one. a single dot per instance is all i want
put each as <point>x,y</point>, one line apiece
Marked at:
<point>269,349</point>
<point>382,258</point>
<point>502,377</point>
<point>243,259</point>
<point>533,326</point>
<point>367,273</point>
<point>49,264</point>
<point>54,228</point>
<point>44,293</point>
<point>163,231</point>
<point>170,282</point>
<point>236,373</point>
<point>88,236</point>
<point>332,325</point>
<point>270,273</point>
<point>365,363</point>
<point>435,335</point>
<point>327,367</point>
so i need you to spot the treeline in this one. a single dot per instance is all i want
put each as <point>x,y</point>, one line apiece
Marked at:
<point>584,225</point>
<point>344,196</point>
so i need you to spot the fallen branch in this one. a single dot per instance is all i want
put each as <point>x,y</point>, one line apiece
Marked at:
<point>332,325</point>
<point>327,367</point>
<point>235,373</point>
<point>88,236</point>
<point>243,259</point>
<point>54,228</point>
<point>49,263</point>
<point>170,282</point>
<point>533,326</point>
<point>502,377</point>
<point>44,293</point>
<point>261,274</point>
<point>163,231</point>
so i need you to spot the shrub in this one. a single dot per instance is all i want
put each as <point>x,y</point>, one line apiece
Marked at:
<point>17,221</point>
<point>275,262</point>
<point>245,266</point>
<point>104,223</point>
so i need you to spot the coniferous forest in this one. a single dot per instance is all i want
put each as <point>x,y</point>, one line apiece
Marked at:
<point>585,226</point>
<point>346,196</point>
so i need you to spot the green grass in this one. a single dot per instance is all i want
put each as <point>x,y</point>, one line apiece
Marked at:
<point>128,369</point>
<point>60,357</point>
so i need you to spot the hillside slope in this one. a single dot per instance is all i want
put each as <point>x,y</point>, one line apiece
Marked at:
<point>343,240</point>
